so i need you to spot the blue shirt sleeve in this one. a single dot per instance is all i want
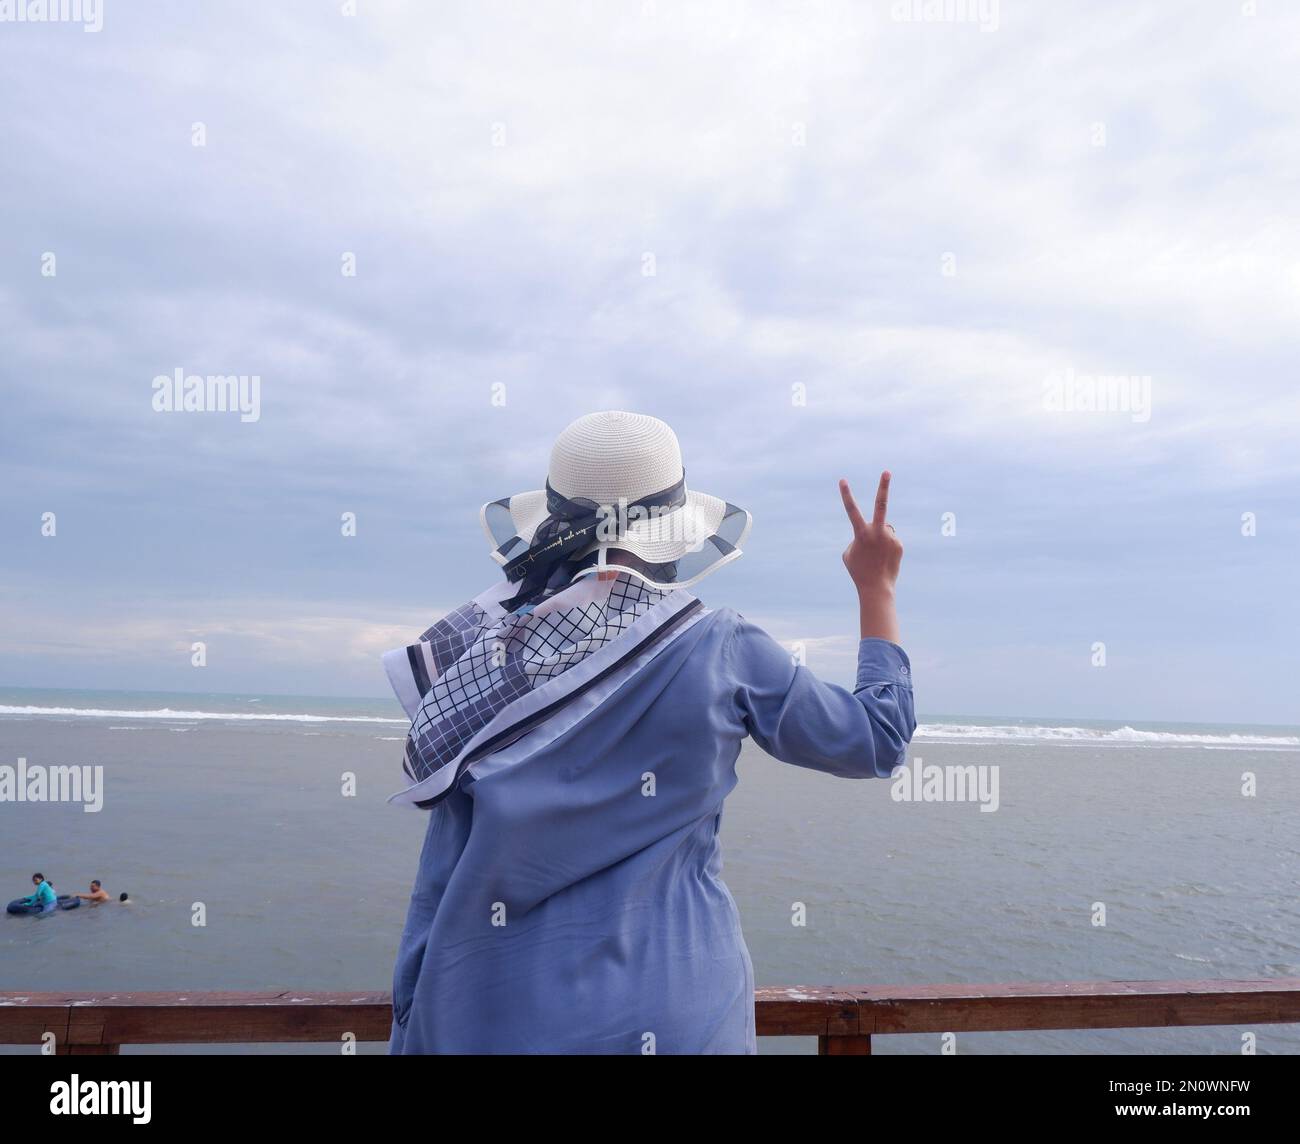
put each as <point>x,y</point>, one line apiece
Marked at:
<point>799,719</point>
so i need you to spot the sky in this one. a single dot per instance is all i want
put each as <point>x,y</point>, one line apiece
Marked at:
<point>818,239</point>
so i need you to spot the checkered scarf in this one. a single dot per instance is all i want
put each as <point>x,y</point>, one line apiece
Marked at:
<point>477,659</point>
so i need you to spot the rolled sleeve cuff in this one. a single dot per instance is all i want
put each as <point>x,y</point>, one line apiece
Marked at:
<point>880,661</point>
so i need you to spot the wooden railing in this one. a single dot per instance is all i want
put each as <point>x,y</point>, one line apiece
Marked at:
<point>842,1020</point>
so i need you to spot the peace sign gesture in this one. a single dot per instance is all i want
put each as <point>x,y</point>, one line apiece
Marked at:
<point>872,559</point>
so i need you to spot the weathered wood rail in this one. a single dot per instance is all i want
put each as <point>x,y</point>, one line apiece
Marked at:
<point>842,1020</point>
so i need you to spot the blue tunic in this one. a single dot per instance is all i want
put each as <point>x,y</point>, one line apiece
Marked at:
<point>572,902</point>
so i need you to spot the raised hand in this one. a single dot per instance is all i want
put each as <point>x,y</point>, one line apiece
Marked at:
<point>872,559</point>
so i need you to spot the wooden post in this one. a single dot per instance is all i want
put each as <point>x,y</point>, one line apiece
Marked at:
<point>859,1046</point>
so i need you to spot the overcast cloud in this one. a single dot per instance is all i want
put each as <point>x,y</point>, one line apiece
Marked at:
<point>921,223</point>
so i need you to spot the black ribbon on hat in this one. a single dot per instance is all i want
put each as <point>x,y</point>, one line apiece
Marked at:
<point>573,524</point>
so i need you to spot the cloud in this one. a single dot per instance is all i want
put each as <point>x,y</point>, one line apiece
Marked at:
<point>919,223</point>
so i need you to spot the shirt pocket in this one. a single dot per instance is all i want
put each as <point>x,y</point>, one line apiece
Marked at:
<point>426,895</point>
<point>410,957</point>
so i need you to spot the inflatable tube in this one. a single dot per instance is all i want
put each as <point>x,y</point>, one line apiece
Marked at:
<point>64,902</point>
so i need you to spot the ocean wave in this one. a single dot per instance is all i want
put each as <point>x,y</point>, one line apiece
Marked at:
<point>167,714</point>
<point>1120,736</point>
<point>973,733</point>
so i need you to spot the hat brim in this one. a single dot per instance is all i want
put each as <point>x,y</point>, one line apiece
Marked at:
<point>698,537</point>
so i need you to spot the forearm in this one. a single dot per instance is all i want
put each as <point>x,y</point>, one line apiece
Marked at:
<point>877,616</point>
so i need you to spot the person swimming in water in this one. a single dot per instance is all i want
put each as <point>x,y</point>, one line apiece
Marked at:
<point>97,892</point>
<point>44,895</point>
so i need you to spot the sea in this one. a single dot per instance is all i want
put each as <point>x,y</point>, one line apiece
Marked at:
<point>1082,851</point>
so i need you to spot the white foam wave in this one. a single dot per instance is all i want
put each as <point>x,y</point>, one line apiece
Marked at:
<point>973,733</point>
<point>167,714</point>
<point>1120,736</point>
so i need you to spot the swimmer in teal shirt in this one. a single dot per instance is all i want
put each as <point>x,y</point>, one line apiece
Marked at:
<point>44,896</point>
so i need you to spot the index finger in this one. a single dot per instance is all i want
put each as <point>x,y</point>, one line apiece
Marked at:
<point>882,500</point>
<point>851,507</point>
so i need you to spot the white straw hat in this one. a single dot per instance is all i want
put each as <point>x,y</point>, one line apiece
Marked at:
<point>604,464</point>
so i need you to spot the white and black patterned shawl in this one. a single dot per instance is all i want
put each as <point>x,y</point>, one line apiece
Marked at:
<point>459,680</point>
